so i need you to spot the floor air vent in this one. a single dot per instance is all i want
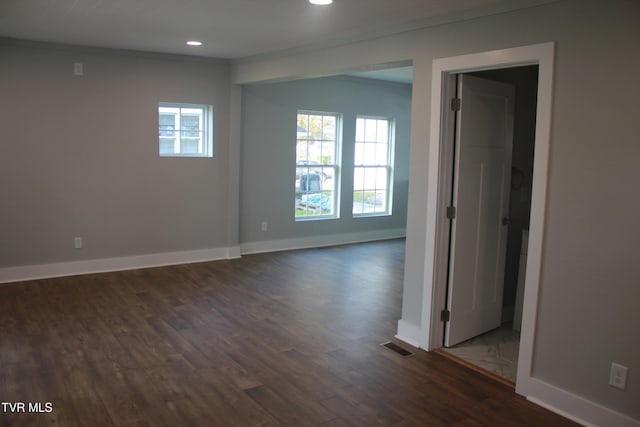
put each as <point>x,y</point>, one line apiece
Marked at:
<point>395,347</point>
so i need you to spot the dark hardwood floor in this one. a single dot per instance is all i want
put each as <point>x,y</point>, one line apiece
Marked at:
<point>290,338</point>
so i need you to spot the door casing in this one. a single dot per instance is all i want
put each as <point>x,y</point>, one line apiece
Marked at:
<point>439,186</point>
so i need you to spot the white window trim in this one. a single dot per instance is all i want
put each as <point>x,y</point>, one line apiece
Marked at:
<point>389,166</point>
<point>336,166</point>
<point>205,142</point>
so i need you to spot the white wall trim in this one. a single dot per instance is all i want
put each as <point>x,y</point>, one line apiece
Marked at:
<point>321,240</point>
<point>409,333</point>
<point>575,407</point>
<point>543,56</point>
<point>73,268</point>
<point>103,265</point>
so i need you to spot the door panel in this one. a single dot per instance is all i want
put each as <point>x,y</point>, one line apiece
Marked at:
<point>482,173</point>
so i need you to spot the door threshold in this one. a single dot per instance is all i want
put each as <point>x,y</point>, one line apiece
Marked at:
<point>442,352</point>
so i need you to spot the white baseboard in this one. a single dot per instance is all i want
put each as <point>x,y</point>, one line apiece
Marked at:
<point>409,333</point>
<point>572,406</point>
<point>320,241</point>
<point>73,268</point>
<point>562,402</point>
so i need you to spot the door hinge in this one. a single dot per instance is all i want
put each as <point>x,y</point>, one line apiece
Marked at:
<point>455,104</point>
<point>451,212</point>
<point>445,315</point>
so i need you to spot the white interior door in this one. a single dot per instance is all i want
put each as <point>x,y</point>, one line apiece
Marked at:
<point>482,174</point>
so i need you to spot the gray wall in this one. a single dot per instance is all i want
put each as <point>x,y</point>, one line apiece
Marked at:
<point>79,156</point>
<point>590,288</point>
<point>268,153</point>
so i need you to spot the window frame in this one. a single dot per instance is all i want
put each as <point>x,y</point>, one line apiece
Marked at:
<point>335,166</point>
<point>205,128</point>
<point>388,166</point>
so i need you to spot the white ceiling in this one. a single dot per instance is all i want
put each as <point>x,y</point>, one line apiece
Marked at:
<point>229,28</point>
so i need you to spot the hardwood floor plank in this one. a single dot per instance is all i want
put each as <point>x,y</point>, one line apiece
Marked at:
<point>360,414</point>
<point>279,385</point>
<point>278,339</point>
<point>252,413</point>
<point>280,408</point>
<point>336,422</point>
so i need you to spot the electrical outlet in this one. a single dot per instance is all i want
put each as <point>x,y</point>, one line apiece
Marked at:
<point>265,226</point>
<point>77,242</point>
<point>78,69</point>
<point>618,376</point>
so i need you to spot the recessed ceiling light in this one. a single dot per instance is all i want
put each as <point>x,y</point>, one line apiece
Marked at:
<point>194,43</point>
<point>321,2</point>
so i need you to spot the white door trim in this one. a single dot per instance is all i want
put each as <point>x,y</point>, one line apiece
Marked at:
<point>434,288</point>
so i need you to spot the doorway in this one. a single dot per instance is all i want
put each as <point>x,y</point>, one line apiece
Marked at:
<point>494,346</point>
<point>430,334</point>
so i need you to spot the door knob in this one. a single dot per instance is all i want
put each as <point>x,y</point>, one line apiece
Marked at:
<point>506,221</point>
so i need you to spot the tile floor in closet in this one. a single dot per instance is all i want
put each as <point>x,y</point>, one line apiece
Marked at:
<point>495,351</point>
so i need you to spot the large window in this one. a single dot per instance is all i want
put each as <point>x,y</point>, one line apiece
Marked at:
<point>317,163</point>
<point>373,167</point>
<point>185,130</point>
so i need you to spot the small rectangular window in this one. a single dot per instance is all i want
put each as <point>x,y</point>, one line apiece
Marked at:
<point>373,167</point>
<point>185,130</point>
<point>317,165</point>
